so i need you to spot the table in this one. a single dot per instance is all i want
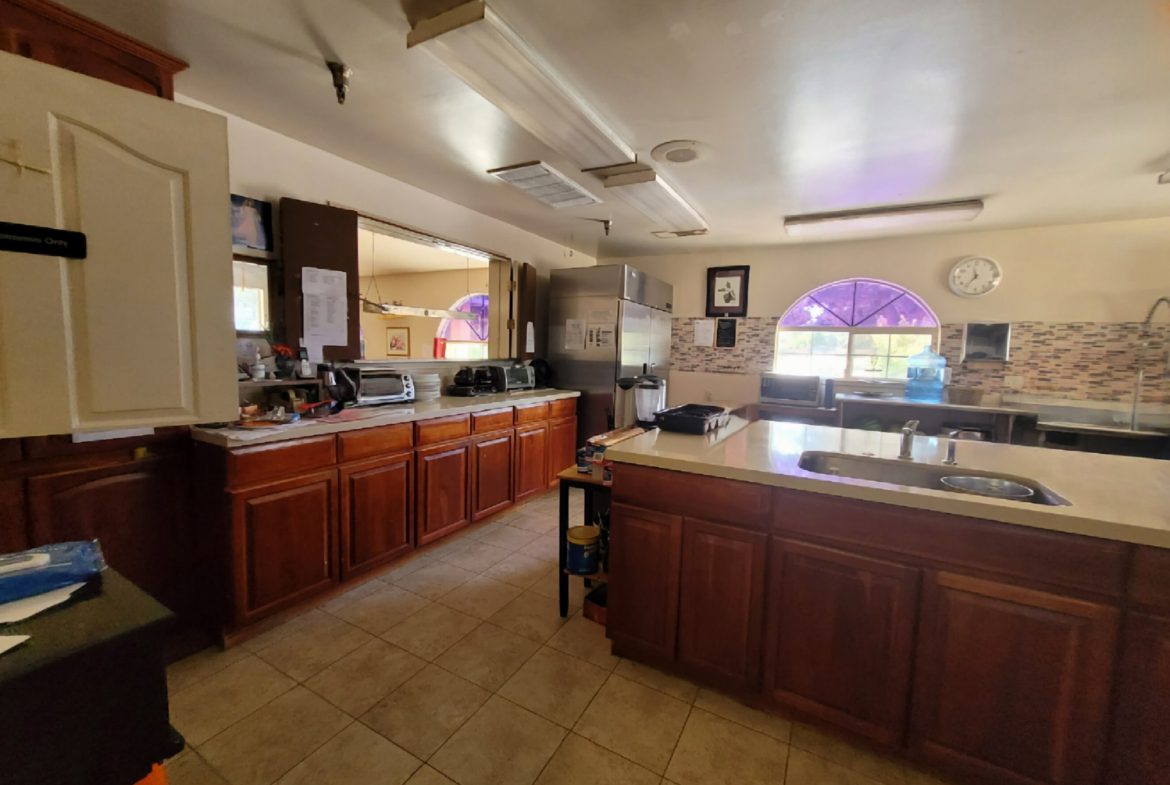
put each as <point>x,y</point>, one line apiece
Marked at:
<point>593,487</point>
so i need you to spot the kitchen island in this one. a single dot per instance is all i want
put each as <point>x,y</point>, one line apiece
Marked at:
<point>999,641</point>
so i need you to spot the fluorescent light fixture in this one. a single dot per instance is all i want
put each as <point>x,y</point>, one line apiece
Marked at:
<point>642,188</point>
<point>482,50</point>
<point>394,309</point>
<point>545,184</point>
<point>668,235</point>
<point>882,218</point>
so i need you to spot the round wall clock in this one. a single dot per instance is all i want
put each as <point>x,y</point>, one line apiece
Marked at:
<point>975,276</point>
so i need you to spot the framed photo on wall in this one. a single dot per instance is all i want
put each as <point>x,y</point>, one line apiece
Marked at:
<point>397,341</point>
<point>252,230</point>
<point>727,291</point>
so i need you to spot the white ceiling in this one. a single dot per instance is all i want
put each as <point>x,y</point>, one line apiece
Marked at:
<point>380,254</point>
<point>1055,111</point>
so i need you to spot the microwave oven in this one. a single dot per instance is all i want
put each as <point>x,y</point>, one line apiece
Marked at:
<point>375,385</point>
<point>792,390</point>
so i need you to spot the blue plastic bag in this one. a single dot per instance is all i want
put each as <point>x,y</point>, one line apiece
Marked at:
<point>69,563</point>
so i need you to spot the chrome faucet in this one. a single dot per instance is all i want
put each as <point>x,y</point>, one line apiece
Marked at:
<point>952,445</point>
<point>906,453</point>
<point>1144,340</point>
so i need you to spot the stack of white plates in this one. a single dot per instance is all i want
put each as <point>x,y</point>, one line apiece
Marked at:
<point>427,386</point>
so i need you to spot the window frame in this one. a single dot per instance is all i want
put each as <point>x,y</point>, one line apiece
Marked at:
<point>933,332</point>
<point>271,296</point>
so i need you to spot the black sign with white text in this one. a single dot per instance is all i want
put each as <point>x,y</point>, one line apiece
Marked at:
<point>41,240</point>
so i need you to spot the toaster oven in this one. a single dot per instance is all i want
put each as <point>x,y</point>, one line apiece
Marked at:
<point>791,390</point>
<point>376,385</point>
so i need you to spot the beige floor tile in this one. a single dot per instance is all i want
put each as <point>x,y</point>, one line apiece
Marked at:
<point>555,686</point>
<point>434,580</point>
<point>267,743</point>
<point>731,709</point>
<point>510,538</point>
<point>518,570</point>
<point>673,686</point>
<point>207,707</point>
<point>585,639</point>
<point>428,776</point>
<point>634,721</point>
<point>715,751</point>
<point>546,546</point>
<point>321,641</point>
<point>537,522</point>
<point>548,587</point>
<point>874,765</point>
<point>356,756</point>
<point>380,610</point>
<point>531,615</point>
<point>371,586</point>
<point>423,713</point>
<point>473,555</point>
<point>579,761</point>
<point>278,631</point>
<point>200,665</point>
<point>502,744</point>
<point>431,631</point>
<point>364,676</point>
<point>488,655</point>
<point>480,597</point>
<point>805,768</point>
<point>403,567</point>
<point>188,768</point>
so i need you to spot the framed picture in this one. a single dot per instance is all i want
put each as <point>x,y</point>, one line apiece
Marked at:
<point>725,333</point>
<point>252,231</point>
<point>397,341</point>
<point>727,291</point>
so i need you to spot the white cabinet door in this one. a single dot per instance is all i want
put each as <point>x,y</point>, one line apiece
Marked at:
<point>141,331</point>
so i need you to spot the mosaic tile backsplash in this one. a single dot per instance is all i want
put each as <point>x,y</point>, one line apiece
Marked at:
<point>1091,361</point>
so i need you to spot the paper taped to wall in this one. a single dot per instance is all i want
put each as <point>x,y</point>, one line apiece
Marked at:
<point>704,332</point>
<point>601,336</point>
<point>326,312</point>
<point>574,335</point>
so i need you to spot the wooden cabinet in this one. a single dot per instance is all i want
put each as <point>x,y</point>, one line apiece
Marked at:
<point>840,637</point>
<point>284,543</point>
<point>13,527</point>
<point>492,461</point>
<point>721,602</point>
<point>442,504</point>
<point>562,446</point>
<point>531,470</point>
<point>1012,684</point>
<point>1139,752</point>
<point>159,252</point>
<point>644,568</point>
<point>377,512</point>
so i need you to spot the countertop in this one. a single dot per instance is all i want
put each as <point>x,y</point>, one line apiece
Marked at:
<point>1111,497</point>
<point>372,417</point>
<point>898,400</point>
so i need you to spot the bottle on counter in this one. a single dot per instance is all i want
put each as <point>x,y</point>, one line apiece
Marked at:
<point>924,376</point>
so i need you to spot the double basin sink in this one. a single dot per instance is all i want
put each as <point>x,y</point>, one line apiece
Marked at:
<point>917,475</point>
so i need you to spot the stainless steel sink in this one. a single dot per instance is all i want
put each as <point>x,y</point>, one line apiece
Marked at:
<point>917,475</point>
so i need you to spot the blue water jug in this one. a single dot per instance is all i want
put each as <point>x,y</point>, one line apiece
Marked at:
<point>924,376</point>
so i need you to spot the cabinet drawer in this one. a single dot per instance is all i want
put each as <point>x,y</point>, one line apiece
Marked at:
<point>534,412</point>
<point>249,465</point>
<point>741,504</point>
<point>495,420</point>
<point>371,442</point>
<point>565,407</point>
<point>442,429</point>
<point>1149,577</point>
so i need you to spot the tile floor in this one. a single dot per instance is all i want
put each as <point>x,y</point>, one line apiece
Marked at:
<point>454,667</point>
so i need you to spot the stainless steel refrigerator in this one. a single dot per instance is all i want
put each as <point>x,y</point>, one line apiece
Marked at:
<point>605,323</point>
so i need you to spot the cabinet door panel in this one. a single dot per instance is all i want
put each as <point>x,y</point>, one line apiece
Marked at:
<point>1138,750</point>
<point>721,602</point>
<point>562,446</point>
<point>284,541</point>
<point>531,460</point>
<point>644,565</point>
<point>491,474</point>
<point>376,512</point>
<point>840,637</point>
<point>441,497</point>
<point>1012,684</point>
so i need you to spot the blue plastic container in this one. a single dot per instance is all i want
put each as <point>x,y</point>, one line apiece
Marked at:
<point>584,544</point>
<point>924,376</point>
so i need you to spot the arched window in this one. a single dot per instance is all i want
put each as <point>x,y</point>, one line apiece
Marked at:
<point>464,339</point>
<point>857,328</point>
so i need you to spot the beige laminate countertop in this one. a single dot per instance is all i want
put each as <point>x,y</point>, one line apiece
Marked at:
<point>372,417</point>
<point>1112,497</point>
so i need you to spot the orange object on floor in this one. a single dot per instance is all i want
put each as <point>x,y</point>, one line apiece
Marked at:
<point>157,776</point>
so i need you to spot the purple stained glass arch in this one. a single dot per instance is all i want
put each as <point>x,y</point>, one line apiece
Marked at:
<point>859,302</point>
<point>467,329</point>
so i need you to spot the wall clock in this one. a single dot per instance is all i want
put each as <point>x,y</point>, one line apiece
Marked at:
<point>975,276</point>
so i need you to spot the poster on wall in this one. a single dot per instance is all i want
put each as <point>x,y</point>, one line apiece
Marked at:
<point>252,231</point>
<point>725,333</point>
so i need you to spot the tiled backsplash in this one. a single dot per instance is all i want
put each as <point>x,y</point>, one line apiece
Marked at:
<point>1092,361</point>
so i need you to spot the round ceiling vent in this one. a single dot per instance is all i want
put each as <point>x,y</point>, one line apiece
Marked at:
<point>680,151</point>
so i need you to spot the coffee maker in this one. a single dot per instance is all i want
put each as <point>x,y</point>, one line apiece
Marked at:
<point>638,399</point>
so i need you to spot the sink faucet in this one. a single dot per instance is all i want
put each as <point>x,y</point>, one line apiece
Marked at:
<point>952,444</point>
<point>906,453</point>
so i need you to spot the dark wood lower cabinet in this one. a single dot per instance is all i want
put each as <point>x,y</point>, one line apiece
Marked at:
<point>531,460</point>
<point>1012,684</point>
<point>441,497</point>
<point>492,464</point>
<point>644,568</point>
<point>13,526</point>
<point>1140,747</point>
<point>283,543</point>
<point>721,602</point>
<point>562,447</point>
<point>840,637</point>
<point>377,512</point>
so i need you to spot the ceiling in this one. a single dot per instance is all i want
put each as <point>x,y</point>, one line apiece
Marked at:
<point>381,254</point>
<point>1054,111</point>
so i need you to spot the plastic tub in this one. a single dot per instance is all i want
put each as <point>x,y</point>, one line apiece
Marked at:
<point>584,545</point>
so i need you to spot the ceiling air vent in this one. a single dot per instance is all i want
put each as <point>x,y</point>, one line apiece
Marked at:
<point>542,182</point>
<point>666,235</point>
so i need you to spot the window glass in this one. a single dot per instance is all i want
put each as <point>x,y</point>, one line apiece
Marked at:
<point>465,339</point>
<point>250,296</point>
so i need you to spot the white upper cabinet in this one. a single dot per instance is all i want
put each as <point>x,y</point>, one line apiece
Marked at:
<point>139,333</point>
